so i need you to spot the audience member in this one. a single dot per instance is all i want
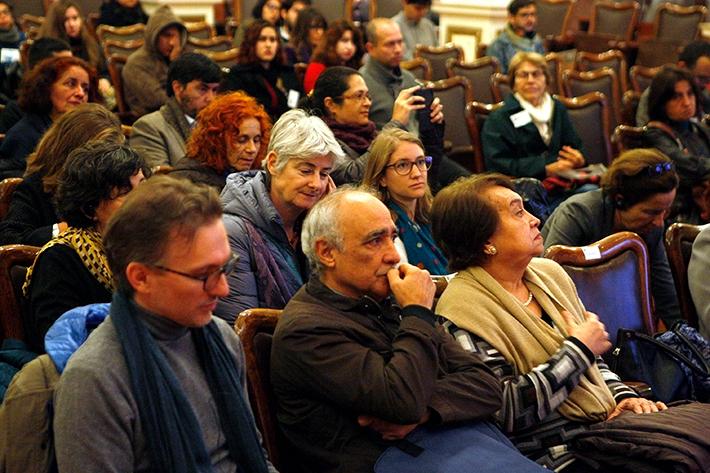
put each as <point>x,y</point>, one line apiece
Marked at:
<point>342,98</point>
<point>518,35</point>
<point>523,315</point>
<point>289,13</point>
<point>306,37</point>
<point>672,108</point>
<point>71,270</point>
<point>161,384</point>
<point>383,76</point>
<point>64,21</point>
<point>267,10</point>
<point>10,35</point>
<point>531,135</point>
<point>397,172</point>
<point>358,362</point>
<point>146,71</point>
<point>40,49</point>
<point>416,28</point>
<point>262,73</point>
<point>342,47</point>
<point>696,58</point>
<point>121,13</point>
<point>51,89</point>
<point>636,195</point>
<point>264,211</point>
<point>160,136</point>
<point>231,135</point>
<point>697,272</point>
<point>32,217</point>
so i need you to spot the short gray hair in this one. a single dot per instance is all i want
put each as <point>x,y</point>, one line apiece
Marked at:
<point>323,223</point>
<point>297,134</point>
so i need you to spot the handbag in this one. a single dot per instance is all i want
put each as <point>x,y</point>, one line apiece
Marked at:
<point>670,374</point>
<point>573,178</point>
<point>474,446</point>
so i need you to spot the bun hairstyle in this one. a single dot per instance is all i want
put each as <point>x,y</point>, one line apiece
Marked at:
<point>333,83</point>
<point>638,174</point>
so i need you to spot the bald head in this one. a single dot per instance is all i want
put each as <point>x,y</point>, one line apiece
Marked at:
<point>384,42</point>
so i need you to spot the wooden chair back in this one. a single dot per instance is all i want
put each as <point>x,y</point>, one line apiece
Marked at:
<point>553,17</point>
<point>454,93</point>
<point>255,328</point>
<point>679,240</point>
<point>225,59</point>
<point>590,117</point>
<point>555,67</point>
<point>626,137</point>
<point>419,67</point>
<point>613,58</point>
<point>120,33</point>
<point>384,8</point>
<point>629,105</point>
<point>617,19</point>
<point>576,84</point>
<point>14,261</point>
<point>641,77</point>
<point>115,63</point>
<point>199,30</point>
<point>679,23</point>
<point>476,115</point>
<point>478,73</point>
<point>120,47</point>
<point>500,86</point>
<point>437,57</point>
<point>7,188</point>
<point>215,43</point>
<point>612,279</point>
<point>30,24</point>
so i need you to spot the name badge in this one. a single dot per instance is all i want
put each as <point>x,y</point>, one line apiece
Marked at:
<point>292,100</point>
<point>520,119</point>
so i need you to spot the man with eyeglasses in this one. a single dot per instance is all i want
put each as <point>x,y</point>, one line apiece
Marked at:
<point>518,35</point>
<point>161,385</point>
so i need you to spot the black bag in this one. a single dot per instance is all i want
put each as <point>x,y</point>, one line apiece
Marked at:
<point>639,357</point>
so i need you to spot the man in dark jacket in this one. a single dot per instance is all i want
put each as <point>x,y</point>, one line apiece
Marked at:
<point>355,369</point>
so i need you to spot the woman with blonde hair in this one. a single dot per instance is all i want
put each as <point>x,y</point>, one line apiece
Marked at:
<point>397,170</point>
<point>231,135</point>
<point>32,218</point>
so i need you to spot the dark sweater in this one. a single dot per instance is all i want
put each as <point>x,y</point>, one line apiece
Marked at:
<point>31,215</point>
<point>19,142</point>
<point>111,13</point>
<point>270,87</point>
<point>60,282</point>
<point>520,152</point>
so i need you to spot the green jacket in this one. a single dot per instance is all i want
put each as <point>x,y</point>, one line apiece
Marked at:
<point>520,152</point>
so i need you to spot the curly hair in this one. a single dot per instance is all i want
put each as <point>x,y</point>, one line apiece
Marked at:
<point>53,27</point>
<point>218,126</point>
<point>308,18</point>
<point>247,50</point>
<point>36,89</point>
<point>662,90</point>
<point>325,52</point>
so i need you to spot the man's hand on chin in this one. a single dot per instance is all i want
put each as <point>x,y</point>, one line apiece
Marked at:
<point>411,285</point>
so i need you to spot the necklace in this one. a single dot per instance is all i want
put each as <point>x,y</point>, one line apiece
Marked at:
<point>529,299</point>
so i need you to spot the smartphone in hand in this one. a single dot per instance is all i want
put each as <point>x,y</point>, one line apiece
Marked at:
<point>424,114</point>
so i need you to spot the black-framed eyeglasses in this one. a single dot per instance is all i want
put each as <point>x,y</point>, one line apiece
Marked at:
<point>209,281</point>
<point>658,169</point>
<point>404,167</point>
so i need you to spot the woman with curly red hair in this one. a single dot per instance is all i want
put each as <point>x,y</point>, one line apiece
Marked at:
<point>231,135</point>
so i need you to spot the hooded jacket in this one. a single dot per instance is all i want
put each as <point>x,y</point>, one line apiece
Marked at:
<point>146,71</point>
<point>267,270</point>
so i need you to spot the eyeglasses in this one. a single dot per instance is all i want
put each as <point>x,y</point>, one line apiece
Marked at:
<point>536,74</point>
<point>209,281</point>
<point>659,169</point>
<point>404,167</point>
<point>359,96</point>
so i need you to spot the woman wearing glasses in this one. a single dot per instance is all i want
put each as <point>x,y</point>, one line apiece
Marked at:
<point>397,171</point>
<point>531,135</point>
<point>342,99</point>
<point>71,270</point>
<point>636,195</point>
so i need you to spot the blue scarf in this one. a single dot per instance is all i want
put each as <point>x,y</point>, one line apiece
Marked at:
<point>421,249</point>
<point>174,437</point>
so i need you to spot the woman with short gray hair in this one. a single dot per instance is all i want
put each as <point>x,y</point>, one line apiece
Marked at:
<point>264,210</point>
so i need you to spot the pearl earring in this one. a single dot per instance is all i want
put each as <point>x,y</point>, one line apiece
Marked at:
<point>490,250</point>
